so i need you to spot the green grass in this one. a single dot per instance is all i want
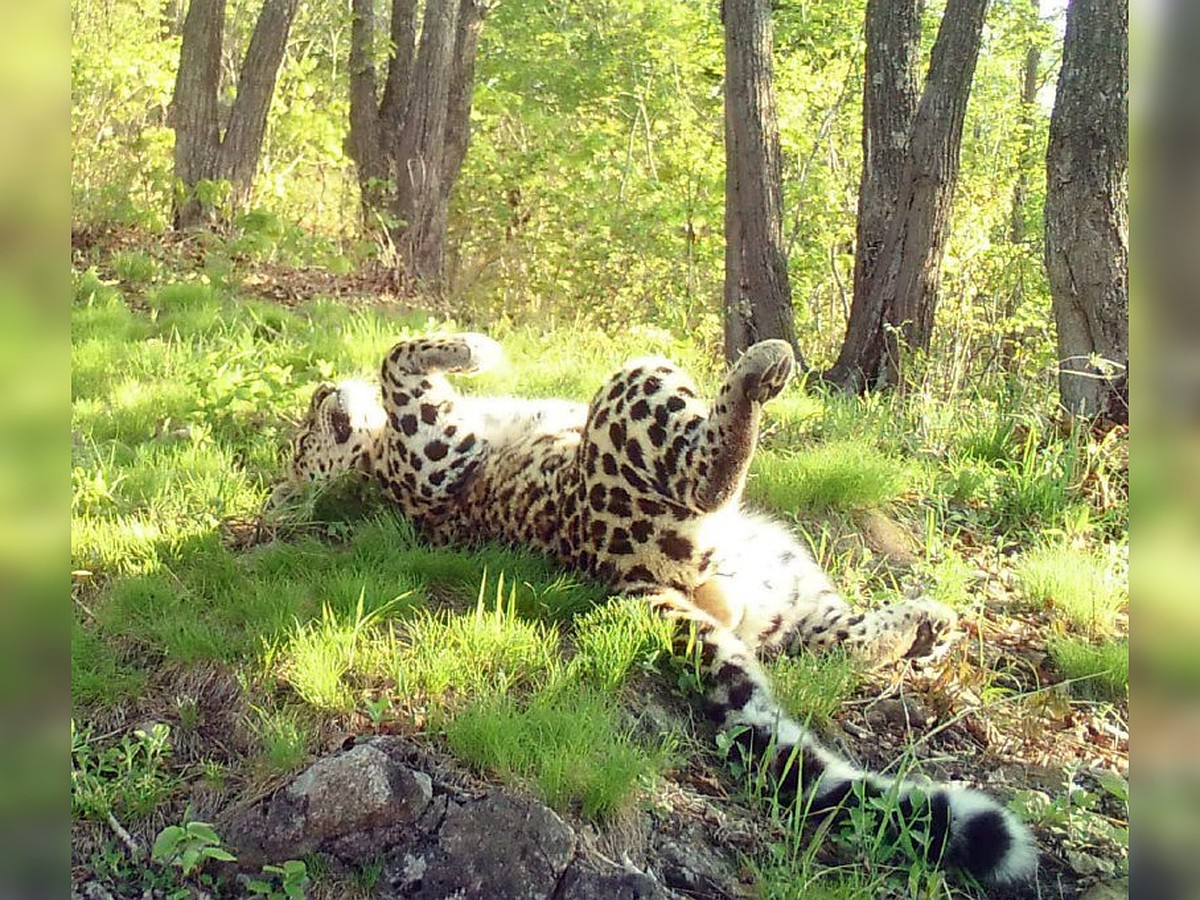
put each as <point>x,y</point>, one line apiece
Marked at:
<point>813,686</point>
<point>1098,671</point>
<point>841,475</point>
<point>572,744</point>
<point>1080,586</point>
<point>339,618</point>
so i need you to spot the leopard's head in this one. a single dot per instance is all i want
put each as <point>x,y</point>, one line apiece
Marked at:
<point>341,431</point>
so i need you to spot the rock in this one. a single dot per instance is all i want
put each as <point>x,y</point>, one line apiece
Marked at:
<point>895,715</point>
<point>1107,890</point>
<point>580,883</point>
<point>500,847</point>
<point>356,791</point>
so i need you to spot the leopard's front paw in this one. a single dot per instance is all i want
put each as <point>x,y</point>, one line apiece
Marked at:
<point>933,630</point>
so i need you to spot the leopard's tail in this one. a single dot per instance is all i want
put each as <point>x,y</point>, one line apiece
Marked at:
<point>965,828</point>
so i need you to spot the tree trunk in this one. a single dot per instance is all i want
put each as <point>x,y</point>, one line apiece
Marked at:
<point>1087,228</point>
<point>891,95</point>
<point>201,154</point>
<point>194,108</point>
<point>242,144</point>
<point>893,308</point>
<point>758,301</point>
<point>409,146</point>
<point>1018,229</point>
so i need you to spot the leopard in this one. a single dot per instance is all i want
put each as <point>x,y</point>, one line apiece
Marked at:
<point>642,490</point>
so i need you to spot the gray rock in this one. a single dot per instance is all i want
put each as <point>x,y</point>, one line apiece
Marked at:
<point>502,847</point>
<point>356,791</point>
<point>580,883</point>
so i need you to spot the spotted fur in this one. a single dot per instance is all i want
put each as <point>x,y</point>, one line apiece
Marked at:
<point>642,491</point>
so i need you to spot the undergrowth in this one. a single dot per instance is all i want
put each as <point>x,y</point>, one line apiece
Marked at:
<point>331,615</point>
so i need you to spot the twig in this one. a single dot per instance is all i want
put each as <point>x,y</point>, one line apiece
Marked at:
<point>135,849</point>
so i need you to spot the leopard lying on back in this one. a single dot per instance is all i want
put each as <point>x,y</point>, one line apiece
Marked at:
<point>642,491</point>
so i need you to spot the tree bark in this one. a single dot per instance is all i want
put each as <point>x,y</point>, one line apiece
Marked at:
<point>194,108</point>
<point>757,298</point>
<point>201,153</point>
<point>1087,228</point>
<point>893,308</point>
<point>409,146</point>
<point>891,95</point>
<point>242,144</point>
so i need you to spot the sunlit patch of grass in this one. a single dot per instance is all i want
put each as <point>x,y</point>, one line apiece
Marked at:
<point>842,475</point>
<point>1102,669</point>
<point>813,686</point>
<point>320,656</point>
<point>614,639</point>
<point>442,658</point>
<point>99,673</point>
<point>570,743</point>
<point>1078,585</point>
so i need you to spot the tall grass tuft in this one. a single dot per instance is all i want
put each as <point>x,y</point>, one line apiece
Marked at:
<point>568,742</point>
<point>840,475</point>
<point>1079,586</point>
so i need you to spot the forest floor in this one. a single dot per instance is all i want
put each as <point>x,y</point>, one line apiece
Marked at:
<point>217,652</point>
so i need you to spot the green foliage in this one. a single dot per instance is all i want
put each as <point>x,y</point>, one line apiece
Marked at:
<point>1082,587</point>
<point>288,881</point>
<point>188,847</point>
<point>1098,671</point>
<point>842,475</point>
<point>568,742</point>
<point>813,686</point>
<point>128,777</point>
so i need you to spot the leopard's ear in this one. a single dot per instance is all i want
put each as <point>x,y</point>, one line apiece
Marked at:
<point>323,390</point>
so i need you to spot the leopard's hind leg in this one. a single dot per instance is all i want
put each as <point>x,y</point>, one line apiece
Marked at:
<point>648,426</point>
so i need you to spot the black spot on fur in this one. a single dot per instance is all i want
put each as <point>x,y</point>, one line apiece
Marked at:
<point>639,573</point>
<point>608,463</point>
<point>650,507</point>
<point>616,434</point>
<point>653,385</point>
<point>465,444</point>
<point>675,546</point>
<point>675,404</point>
<point>341,426</point>
<point>641,530</point>
<point>657,435</point>
<point>408,424</point>
<point>597,497</point>
<point>428,413</point>
<point>636,481</point>
<point>639,411</point>
<point>620,544</point>
<point>436,450</point>
<point>618,502</point>
<point>634,451</point>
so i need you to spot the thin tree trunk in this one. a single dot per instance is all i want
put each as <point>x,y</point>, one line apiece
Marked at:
<point>201,153</point>
<point>410,146</point>
<point>896,306</point>
<point>242,144</point>
<point>757,293</point>
<point>1018,229</point>
<point>1087,229</point>
<point>891,95</point>
<point>194,108</point>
